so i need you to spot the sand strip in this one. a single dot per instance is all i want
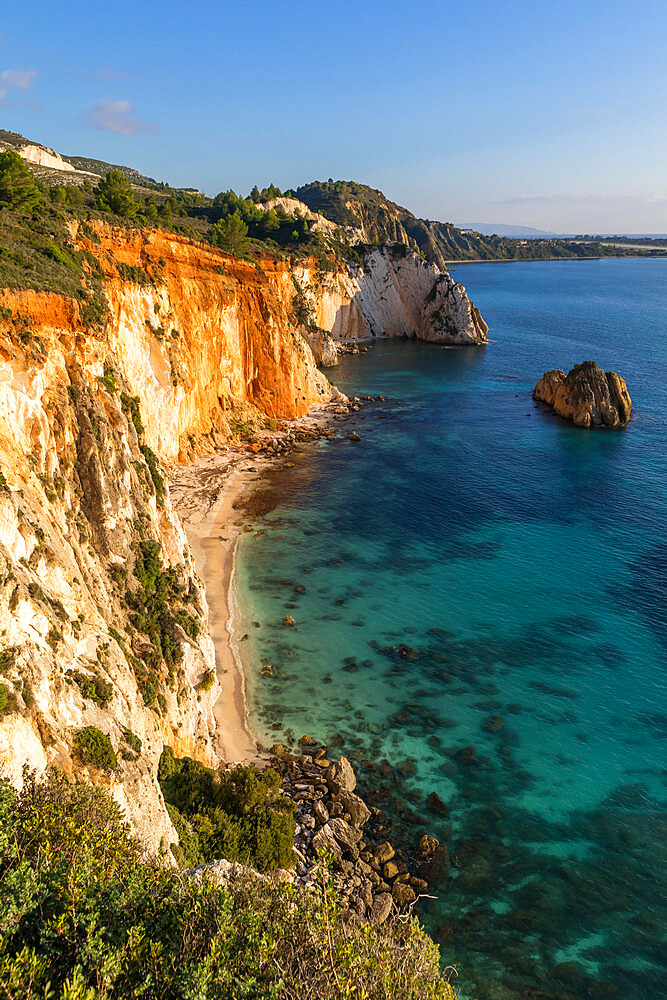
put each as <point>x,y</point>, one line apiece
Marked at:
<point>204,494</point>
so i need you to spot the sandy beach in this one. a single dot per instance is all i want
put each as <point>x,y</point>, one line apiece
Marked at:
<point>204,495</point>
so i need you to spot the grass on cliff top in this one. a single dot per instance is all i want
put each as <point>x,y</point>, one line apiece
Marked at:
<point>85,916</point>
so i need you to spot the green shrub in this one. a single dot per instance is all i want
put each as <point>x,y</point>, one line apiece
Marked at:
<point>114,193</point>
<point>155,606</point>
<point>8,658</point>
<point>18,188</point>
<point>131,408</point>
<point>80,905</point>
<point>207,681</point>
<point>109,382</point>
<point>91,746</point>
<point>134,274</point>
<point>134,743</point>
<point>94,687</point>
<point>8,700</point>
<point>156,476</point>
<point>240,815</point>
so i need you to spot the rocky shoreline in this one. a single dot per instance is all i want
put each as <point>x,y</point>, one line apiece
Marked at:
<point>374,877</point>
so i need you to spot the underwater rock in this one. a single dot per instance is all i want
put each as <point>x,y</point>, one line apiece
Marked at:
<point>587,395</point>
<point>435,805</point>
<point>494,724</point>
<point>431,854</point>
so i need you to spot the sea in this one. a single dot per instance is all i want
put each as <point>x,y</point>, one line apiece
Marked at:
<point>479,594</point>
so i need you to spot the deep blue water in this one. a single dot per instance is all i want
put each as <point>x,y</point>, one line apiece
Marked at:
<point>523,562</point>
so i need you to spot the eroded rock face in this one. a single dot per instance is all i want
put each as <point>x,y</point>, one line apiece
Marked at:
<point>587,395</point>
<point>88,415</point>
<point>396,293</point>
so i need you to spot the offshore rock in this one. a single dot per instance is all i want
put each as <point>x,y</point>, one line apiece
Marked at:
<point>587,395</point>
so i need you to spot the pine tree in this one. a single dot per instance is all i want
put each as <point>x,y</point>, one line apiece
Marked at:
<point>229,234</point>
<point>114,194</point>
<point>18,188</point>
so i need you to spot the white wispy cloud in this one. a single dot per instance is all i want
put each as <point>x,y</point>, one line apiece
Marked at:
<point>117,116</point>
<point>15,79</point>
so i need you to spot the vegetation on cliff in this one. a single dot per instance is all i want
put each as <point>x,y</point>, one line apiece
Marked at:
<point>84,915</point>
<point>239,815</point>
<point>37,209</point>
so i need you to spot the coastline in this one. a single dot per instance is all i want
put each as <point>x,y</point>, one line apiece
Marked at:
<point>536,260</point>
<point>207,494</point>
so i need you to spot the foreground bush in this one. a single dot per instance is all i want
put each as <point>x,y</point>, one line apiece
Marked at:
<point>239,815</point>
<point>83,916</point>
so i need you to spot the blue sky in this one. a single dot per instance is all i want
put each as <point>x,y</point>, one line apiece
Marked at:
<point>545,114</point>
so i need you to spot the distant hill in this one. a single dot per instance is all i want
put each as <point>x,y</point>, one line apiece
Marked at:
<point>101,167</point>
<point>502,229</point>
<point>370,217</point>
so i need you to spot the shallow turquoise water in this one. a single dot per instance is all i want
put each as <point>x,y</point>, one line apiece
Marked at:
<point>522,563</point>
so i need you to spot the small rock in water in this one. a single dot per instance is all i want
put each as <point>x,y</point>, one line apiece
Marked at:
<point>435,805</point>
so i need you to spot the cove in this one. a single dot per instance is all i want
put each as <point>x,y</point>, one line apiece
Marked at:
<point>479,592</point>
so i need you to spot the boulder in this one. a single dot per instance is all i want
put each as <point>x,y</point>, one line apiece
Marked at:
<point>324,838</point>
<point>321,811</point>
<point>381,907</point>
<point>383,853</point>
<point>356,807</point>
<point>587,395</point>
<point>429,855</point>
<point>340,777</point>
<point>345,834</point>
<point>390,871</point>
<point>403,894</point>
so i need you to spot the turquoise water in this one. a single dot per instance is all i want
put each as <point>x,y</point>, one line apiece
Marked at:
<point>474,556</point>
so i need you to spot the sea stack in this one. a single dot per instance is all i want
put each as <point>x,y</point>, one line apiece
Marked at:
<point>587,395</point>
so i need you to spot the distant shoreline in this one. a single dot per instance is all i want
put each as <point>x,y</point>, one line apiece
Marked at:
<point>526,260</point>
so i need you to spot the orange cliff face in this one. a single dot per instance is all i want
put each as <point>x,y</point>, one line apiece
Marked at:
<point>208,333</point>
<point>195,332</point>
<point>206,343</point>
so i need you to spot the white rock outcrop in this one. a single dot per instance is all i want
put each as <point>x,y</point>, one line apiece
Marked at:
<point>396,293</point>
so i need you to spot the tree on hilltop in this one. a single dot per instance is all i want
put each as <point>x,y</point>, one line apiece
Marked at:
<point>229,233</point>
<point>114,194</point>
<point>18,187</point>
